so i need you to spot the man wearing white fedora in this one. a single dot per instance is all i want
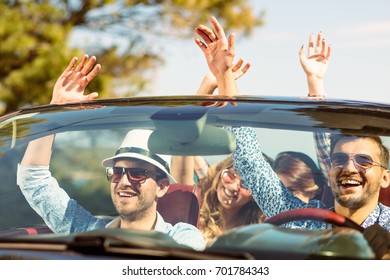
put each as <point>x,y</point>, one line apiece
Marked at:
<point>138,178</point>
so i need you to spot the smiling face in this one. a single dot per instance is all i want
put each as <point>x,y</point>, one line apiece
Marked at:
<point>231,195</point>
<point>133,201</point>
<point>354,188</point>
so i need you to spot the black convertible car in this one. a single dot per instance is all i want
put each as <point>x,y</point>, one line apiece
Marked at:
<point>89,132</point>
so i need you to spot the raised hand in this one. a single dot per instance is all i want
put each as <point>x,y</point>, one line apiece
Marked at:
<point>71,84</point>
<point>219,52</point>
<point>315,65</point>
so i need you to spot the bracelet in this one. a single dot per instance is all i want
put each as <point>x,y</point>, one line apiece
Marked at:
<point>323,96</point>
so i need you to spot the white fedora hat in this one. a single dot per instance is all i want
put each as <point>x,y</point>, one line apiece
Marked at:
<point>135,145</point>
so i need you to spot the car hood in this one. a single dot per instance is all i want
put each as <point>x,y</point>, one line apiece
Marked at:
<point>260,241</point>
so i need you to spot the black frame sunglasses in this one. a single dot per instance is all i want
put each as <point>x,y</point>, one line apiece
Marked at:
<point>135,175</point>
<point>362,162</point>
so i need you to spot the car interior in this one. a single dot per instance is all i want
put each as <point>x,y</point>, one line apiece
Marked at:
<point>181,203</point>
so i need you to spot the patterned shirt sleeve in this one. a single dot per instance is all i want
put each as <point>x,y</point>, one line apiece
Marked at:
<point>182,233</point>
<point>258,176</point>
<point>61,213</point>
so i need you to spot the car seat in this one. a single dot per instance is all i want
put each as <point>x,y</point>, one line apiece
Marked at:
<point>181,203</point>
<point>384,196</point>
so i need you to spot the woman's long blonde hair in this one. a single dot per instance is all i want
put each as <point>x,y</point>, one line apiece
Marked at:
<point>211,221</point>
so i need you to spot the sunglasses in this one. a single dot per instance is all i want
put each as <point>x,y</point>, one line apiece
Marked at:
<point>229,177</point>
<point>134,175</point>
<point>362,162</point>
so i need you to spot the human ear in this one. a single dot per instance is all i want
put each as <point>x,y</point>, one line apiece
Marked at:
<point>385,179</point>
<point>163,186</point>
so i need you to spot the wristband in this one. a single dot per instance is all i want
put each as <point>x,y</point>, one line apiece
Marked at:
<point>322,96</point>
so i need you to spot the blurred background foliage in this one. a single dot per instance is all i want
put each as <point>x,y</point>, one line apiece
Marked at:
<point>37,41</point>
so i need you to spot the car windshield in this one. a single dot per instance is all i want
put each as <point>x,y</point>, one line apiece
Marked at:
<point>183,128</point>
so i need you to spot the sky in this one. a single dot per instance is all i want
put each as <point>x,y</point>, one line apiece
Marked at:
<point>359,69</point>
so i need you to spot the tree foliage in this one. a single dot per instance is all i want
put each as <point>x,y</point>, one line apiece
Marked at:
<point>37,40</point>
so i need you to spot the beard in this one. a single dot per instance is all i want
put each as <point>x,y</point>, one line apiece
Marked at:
<point>348,202</point>
<point>354,201</point>
<point>134,212</point>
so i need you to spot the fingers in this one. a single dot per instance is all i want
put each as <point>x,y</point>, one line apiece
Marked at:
<point>231,46</point>
<point>91,75</point>
<point>87,67</point>
<point>238,65</point>
<point>319,44</point>
<point>239,73</point>
<point>74,81</point>
<point>301,54</point>
<point>70,67</point>
<point>319,49</point>
<point>201,45</point>
<point>84,73</point>
<point>328,52</point>
<point>310,49</point>
<point>218,28</point>
<point>91,96</point>
<point>206,33</point>
<point>325,51</point>
<point>82,81</point>
<point>80,66</point>
<point>66,76</point>
<point>246,67</point>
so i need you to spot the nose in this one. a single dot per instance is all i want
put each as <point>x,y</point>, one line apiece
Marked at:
<point>124,181</point>
<point>234,187</point>
<point>350,165</point>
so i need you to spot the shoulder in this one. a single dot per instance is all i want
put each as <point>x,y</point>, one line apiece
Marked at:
<point>383,217</point>
<point>182,233</point>
<point>189,235</point>
<point>384,210</point>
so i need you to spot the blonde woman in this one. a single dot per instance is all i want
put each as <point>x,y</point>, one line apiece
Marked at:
<point>226,204</point>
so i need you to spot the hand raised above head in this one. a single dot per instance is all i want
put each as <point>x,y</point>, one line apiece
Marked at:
<point>219,52</point>
<point>318,56</point>
<point>315,65</point>
<point>217,49</point>
<point>71,84</point>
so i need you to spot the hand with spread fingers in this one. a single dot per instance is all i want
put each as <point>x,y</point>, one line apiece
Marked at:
<point>315,65</point>
<point>71,84</point>
<point>219,52</point>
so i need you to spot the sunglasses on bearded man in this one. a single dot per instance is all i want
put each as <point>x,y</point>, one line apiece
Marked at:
<point>362,162</point>
<point>134,175</point>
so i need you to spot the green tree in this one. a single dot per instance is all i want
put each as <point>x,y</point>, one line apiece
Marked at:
<point>36,45</point>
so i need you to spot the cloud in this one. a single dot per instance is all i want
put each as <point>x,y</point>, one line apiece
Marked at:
<point>366,34</point>
<point>365,28</point>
